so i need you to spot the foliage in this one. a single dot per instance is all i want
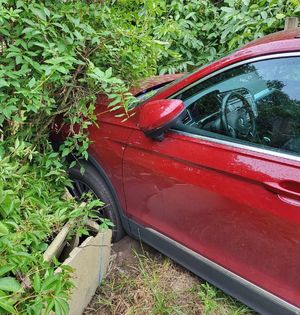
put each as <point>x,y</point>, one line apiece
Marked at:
<point>191,29</point>
<point>243,21</point>
<point>198,32</point>
<point>55,57</point>
<point>31,211</point>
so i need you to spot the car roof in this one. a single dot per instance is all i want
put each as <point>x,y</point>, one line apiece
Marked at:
<point>293,34</point>
<point>279,42</point>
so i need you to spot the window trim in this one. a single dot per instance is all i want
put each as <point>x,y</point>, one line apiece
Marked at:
<point>239,145</point>
<point>254,147</point>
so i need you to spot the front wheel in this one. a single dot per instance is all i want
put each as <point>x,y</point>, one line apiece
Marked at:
<point>91,181</point>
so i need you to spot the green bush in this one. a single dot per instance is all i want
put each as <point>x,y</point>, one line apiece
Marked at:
<point>55,56</point>
<point>32,210</point>
<point>244,21</point>
<point>197,32</point>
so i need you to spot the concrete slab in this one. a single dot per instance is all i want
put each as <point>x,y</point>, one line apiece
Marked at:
<point>89,261</point>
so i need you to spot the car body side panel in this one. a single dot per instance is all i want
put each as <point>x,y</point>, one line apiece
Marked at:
<point>211,198</point>
<point>109,139</point>
<point>208,197</point>
<point>109,153</point>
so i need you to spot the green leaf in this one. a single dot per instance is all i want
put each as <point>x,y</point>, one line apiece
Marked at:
<point>3,231</point>
<point>50,282</point>
<point>39,13</point>
<point>264,14</point>
<point>57,307</point>
<point>65,151</point>
<point>49,306</point>
<point>64,306</point>
<point>5,269</point>
<point>7,307</point>
<point>31,83</point>
<point>8,110</point>
<point>227,10</point>
<point>47,12</point>
<point>36,283</point>
<point>72,164</point>
<point>10,284</point>
<point>18,60</point>
<point>3,83</point>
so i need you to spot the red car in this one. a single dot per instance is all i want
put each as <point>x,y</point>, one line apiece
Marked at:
<point>207,171</point>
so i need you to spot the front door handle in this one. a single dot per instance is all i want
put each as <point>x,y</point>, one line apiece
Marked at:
<point>289,189</point>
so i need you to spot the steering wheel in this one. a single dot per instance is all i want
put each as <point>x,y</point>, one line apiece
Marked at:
<point>238,121</point>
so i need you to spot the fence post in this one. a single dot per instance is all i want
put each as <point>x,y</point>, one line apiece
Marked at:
<point>291,23</point>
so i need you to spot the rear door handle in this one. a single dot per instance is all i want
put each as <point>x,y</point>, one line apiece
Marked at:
<point>286,189</point>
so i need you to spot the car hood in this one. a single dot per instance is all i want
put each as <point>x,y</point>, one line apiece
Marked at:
<point>155,81</point>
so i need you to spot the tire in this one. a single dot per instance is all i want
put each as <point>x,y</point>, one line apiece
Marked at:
<point>91,181</point>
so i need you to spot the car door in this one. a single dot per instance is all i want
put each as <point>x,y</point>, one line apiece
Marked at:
<point>229,195</point>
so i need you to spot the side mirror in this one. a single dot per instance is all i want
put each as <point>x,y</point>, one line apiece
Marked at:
<point>158,116</point>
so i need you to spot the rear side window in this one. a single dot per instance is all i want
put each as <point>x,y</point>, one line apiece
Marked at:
<point>256,103</point>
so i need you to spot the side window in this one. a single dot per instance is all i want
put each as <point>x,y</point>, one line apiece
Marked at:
<point>256,103</point>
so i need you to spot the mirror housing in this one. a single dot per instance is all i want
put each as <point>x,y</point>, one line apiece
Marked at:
<point>158,116</point>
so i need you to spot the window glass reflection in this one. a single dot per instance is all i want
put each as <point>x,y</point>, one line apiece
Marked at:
<point>257,103</point>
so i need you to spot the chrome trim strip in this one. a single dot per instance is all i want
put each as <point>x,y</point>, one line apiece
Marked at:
<point>239,146</point>
<point>234,144</point>
<point>242,281</point>
<point>240,63</point>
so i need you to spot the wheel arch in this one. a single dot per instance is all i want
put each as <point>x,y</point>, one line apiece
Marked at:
<point>100,170</point>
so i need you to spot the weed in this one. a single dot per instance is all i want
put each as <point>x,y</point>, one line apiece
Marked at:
<point>154,285</point>
<point>216,302</point>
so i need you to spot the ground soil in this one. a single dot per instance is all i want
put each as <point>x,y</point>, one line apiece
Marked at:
<point>141,281</point>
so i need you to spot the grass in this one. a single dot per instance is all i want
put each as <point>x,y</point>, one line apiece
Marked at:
<point>214,301</point>
<point>154,285</point>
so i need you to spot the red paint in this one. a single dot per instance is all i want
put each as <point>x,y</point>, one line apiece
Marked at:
<point>239,208</point>
<point>275,37</point>
<point>158,113</point>
<point>212,199</point>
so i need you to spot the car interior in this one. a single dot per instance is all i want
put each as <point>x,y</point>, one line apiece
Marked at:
<point>262,112</point>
